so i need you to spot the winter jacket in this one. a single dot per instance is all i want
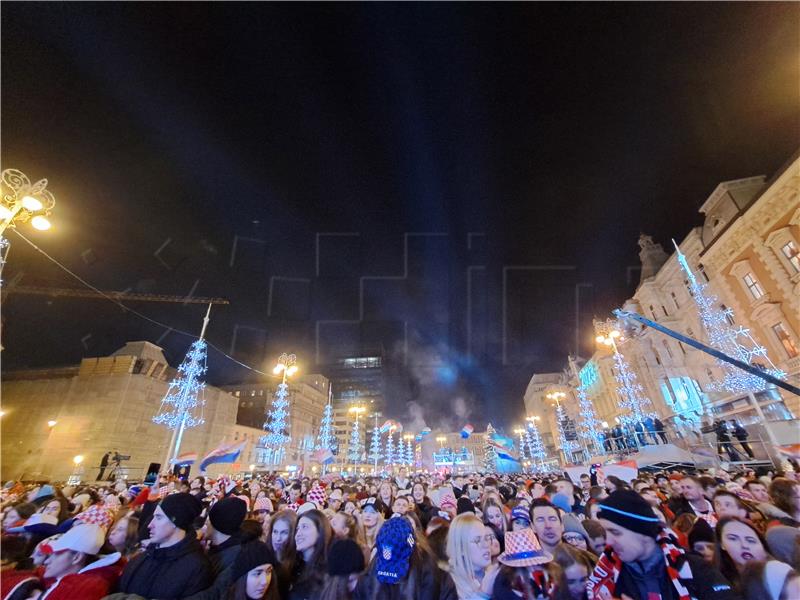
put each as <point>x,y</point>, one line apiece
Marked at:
<point>222,558</point>
<point>703,581</point>
<point>304,586</point>
<point>168,573</point>
<point>93,582</point>
<point>426,511</point>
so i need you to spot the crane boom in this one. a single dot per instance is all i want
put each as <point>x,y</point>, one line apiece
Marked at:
<point>56,292</point>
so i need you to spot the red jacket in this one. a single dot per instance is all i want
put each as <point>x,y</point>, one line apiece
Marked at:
<point>93,582</point>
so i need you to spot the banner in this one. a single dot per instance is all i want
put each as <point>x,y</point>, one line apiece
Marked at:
<point>187,458</point>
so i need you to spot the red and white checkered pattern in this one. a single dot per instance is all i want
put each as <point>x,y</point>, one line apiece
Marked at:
<point>263,504</point>
<point>523,541</point>
<point>293,506</point>
<point>96,515</point>
<point>316,495</point>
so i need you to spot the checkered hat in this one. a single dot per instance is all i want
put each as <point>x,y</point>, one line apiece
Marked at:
<point>447,499</point>
<point>96,515</point>
<point>293,506</point>
<point>316,495</point>
<point>523,549</point>
<point>263,504</point>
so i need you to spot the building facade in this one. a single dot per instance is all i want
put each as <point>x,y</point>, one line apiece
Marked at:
<point>308,395</point>
<point>746,252</point>
<point>106,403</point>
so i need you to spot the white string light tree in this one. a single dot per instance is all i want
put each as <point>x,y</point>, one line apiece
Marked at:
<point>490,454</point>
<point>375,445</point>
<point>185,395</point>
<point>590,428</point>
<point>636,404</point>
<point>355,450</point>
<point>733,340</point>
<point>325,438</point>
<point>390,456</point>
<point>276,426</point>
<point>535,445</point>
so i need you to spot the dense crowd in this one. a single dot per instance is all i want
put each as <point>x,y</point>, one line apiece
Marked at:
<point>662,536</point>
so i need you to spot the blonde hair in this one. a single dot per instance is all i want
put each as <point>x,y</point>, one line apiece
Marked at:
<point>461,568</point>
<point>370,537</point>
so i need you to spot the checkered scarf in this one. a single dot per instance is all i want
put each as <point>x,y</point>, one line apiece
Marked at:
<point>603,580</point>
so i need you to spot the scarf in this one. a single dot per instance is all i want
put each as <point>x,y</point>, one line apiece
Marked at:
<point>603,580</point>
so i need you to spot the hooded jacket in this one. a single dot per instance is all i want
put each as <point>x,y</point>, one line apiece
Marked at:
<point>92,582</point>
<point>168,573</point>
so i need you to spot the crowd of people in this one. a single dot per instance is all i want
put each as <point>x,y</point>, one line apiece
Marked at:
<point>412,536</point>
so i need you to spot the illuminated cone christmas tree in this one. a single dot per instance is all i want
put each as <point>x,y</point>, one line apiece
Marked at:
<point>728,338</point>
<point>182,406</point>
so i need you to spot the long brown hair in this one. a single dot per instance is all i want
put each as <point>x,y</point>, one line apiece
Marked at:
<point>723,560</point>
<point>781,490</point>
<point>238,591</point>
<point>317,566</point>
<point>287,555</point>
<point>336,587</point>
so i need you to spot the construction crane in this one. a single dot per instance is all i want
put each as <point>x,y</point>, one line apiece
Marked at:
<point>56,292</point>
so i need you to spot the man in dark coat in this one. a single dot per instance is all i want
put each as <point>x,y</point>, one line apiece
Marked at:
<point>740,433</point>
<point>643,561</point>
<point>103,465</point>
<point>661,430</point>
<point>174,565</point>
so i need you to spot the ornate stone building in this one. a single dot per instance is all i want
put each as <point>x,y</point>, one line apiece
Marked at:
<point>747,251</point>
<point>105,403</point>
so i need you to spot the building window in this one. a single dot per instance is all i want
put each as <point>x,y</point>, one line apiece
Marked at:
<point>792,254</point>
<point>688,287</point>
<point>682,348</point>
<point>653,312</point>
<point>236,393</point>
<point>702,270</point>
<point>785,339</point>
<point>675,299</point>
<point>666,346</point>
<point>753,286</point>
<point>664,308</point>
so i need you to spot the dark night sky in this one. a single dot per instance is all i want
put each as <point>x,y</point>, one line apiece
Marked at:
<point>543,136</point>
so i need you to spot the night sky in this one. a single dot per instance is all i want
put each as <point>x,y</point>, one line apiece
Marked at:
<point>460,184</point>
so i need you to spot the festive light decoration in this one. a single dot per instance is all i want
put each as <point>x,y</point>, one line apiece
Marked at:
<point>521,433</point>
<point>590,428</point>
<point>632,396</point>
<point>535,445</point>
<point>490,454</point>
<point>409,452</point>
<point>730,339</point>
<point>277,437</point>
<point>325,437</point>
<point>354,453</point>
<point>375,445</point>
<point>185,394</point>
<point>390,457</point>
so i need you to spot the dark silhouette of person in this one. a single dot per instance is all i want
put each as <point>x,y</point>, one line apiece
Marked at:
<point>740,433</point>
<point>661,430</point>
<point>724,441</point>
<point>103,465</point>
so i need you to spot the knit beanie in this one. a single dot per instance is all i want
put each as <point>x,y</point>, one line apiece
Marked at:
<point>345,557</point>
<point>628,509</point>
<point>464,505</point>
<point>252,555</point>
<point>226,516</point>
<point>181,509</point>
<point>701,532</point>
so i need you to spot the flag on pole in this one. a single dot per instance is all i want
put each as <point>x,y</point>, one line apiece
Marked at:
<point>226,452</point>
<point>467,430</point>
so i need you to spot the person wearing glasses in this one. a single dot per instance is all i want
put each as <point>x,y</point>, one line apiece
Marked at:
<point>469,548</point>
